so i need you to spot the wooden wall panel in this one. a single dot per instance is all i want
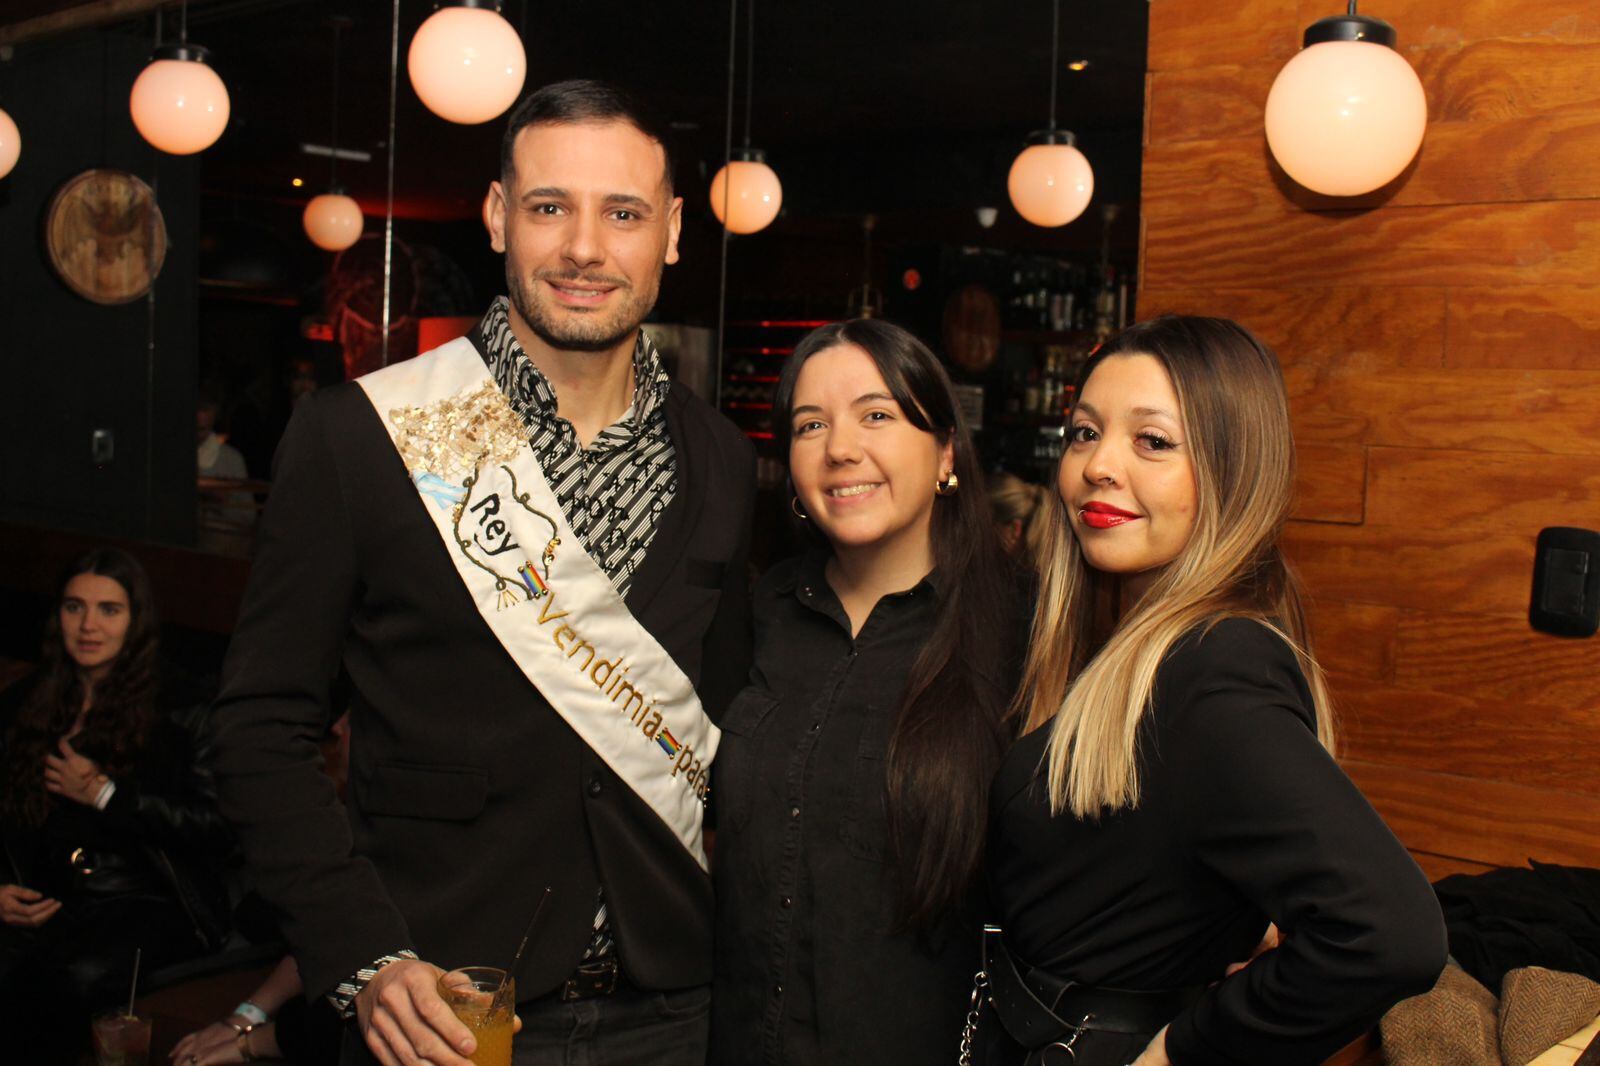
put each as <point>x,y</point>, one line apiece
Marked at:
<point>1491,410</point>
<point>1425,569</point>
<point>1356,639</point>
<point>1439,866</point>
<point>1184,33</point>
<point>1489,81</point>
<point>1279,245</point>
<point>1553,327</point>
<point>1331,483</point>
<point>1398,327</point>
<point>1504,78</point>
<point>1484,821</point>
<point>1207,104</point>
<point>1491,491</point>
<point>1447,329</point>
<point>1524,742</point>
<point>1496,657</point>
<point>1546,158</point>
<point>1424,23</point>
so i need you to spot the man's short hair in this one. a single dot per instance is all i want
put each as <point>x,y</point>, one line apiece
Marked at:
<point>582,100</point>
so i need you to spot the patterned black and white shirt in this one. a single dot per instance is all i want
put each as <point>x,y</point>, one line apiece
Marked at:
<point>612,492</point>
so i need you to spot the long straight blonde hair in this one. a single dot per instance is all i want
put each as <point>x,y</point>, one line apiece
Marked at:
<point>1236,422</point>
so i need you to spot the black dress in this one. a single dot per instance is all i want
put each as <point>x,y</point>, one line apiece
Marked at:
<point>1244,819</point>
<point>809,965</point>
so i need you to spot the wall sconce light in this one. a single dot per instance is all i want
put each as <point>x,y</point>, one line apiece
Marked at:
<point>466,63</point>
<point>1346,115</point>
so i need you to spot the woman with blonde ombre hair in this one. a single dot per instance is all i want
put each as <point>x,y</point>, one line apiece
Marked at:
<point>1174,802</point>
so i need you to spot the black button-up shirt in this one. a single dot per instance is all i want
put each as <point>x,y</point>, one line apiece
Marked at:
<point>809,968</point>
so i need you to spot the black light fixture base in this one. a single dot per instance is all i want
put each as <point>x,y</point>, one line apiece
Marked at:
<point>492,5</point>
<point>1052,137</point>
<point>189,53</point>
<point>1350,28</point>
<point>748,155</point>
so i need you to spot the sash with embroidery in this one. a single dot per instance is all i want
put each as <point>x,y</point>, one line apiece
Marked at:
<point>550,605</point>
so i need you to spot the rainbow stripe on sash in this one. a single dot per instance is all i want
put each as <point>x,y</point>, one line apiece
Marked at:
<point>668,742</point>
<point>530,577</point>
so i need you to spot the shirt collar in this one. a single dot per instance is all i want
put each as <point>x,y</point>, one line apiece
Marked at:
<point>509,364</point>
<point>811,577</point>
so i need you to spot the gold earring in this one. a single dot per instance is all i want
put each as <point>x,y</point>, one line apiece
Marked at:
<point>948,486</point>
<point>794,505</point>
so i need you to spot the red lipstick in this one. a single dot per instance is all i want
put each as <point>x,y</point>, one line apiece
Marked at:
<point>1098,515</point>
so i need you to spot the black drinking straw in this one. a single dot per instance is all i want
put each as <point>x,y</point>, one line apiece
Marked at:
<point>526,935</point>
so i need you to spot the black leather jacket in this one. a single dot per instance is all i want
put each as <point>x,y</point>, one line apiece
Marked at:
<point>162,817</point>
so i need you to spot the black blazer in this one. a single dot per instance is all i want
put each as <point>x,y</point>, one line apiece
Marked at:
<point>468,794</point>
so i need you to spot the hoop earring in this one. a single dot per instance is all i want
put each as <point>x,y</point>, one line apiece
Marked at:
<point>948,486</point>
<point>794,505</point>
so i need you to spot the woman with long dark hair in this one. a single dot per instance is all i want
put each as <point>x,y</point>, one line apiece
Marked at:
<point>110,832</point>
<point>1175,800</point>
<point>852,777</point>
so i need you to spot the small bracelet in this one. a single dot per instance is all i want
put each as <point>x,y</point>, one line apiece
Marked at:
<point>244,1044</point>
<point>239,1030</point>
<point>251,1013</point>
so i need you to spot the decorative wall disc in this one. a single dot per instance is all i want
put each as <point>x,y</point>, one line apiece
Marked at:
<point>106,236</point>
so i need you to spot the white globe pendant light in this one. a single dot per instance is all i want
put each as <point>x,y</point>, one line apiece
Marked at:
<point>10,144</point>
<point>1051,181</point>
<point>178,102</point>
<point>466,63</point>
<point>746,194</point>
<point>333,220</point>
<point>1346,115</point>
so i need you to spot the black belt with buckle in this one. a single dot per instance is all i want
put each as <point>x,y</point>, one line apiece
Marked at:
<point>594,977</point>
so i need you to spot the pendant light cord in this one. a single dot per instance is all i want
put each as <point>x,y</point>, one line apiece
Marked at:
<point>183,22</point>
<point>749,68</point>
<point>1055,57</point>
<point>727,198</point>
<point>388,209</point>
<point>333,157</point>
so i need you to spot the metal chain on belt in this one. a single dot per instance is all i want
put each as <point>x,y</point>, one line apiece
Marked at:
<point>980,984</point>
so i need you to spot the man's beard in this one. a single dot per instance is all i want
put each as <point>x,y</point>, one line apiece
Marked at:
<point>579,332</point>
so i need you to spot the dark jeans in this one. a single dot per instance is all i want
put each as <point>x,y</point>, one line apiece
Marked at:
<point>629,1028</point>
<point>78,963</point>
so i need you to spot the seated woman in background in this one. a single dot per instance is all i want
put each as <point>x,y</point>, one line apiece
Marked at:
<point>1020,516</point>
<point>1175,801</point>
<point>853,772</point>
<point>111,836</point>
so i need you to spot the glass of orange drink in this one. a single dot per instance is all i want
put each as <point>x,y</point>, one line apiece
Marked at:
<point>485,1000</point>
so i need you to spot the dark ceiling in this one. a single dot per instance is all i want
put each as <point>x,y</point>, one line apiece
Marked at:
<point>862,105</point>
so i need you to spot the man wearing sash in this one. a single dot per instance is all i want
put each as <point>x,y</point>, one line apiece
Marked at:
<point>526,549</point>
